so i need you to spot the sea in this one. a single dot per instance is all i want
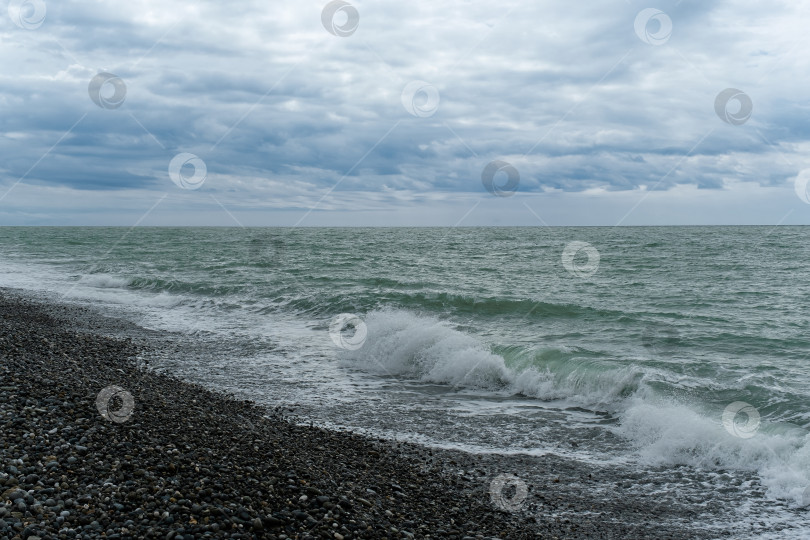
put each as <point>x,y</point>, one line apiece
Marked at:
<point>634,348</point>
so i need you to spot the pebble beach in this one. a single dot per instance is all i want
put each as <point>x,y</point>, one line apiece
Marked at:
<point>156,457</point>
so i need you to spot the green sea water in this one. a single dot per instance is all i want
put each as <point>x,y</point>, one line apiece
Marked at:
<point>658,346</point>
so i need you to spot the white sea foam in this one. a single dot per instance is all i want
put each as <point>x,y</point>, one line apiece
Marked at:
<point>671,434</point>
<point>105,281</point>
<point>402,343</point>
<point>405,344</point>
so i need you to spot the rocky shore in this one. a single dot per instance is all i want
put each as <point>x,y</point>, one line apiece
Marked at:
<point>95,445</point>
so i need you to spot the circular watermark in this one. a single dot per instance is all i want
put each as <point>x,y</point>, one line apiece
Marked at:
<point>340,18</point>
<point>726,113</point>
<point>746,429</point>
<point>27,14</point>
<point>182,161</point>
<point>582,269</point>
<point>338,331</point>
<point>500,485</point>
<point>420,98</point>
<point>115,404</point>
<point>800,185</point>
<point>99,84</point>
<point>508,188</point>
<point>653,26</point>
<point>661,339</point>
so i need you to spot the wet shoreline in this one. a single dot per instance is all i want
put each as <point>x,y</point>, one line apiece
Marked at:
<point>180,461</point>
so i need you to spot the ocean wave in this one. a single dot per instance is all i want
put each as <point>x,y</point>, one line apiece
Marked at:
<point>105,281</point>
<point>679,434</point>
<point>314,302</point>
<point>164,285</point>
<point>661,430</point>
<point>402,343</point>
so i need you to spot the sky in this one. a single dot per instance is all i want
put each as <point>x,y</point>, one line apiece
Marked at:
<point>460,113</point>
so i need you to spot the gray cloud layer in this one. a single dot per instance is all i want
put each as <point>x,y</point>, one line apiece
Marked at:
<point>286,115</point>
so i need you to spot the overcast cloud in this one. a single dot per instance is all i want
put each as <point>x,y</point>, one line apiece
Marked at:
<point>606,120</point>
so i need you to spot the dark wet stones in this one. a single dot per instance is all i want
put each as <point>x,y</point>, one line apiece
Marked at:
<point>14,494</point>
<point>190,463</point>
